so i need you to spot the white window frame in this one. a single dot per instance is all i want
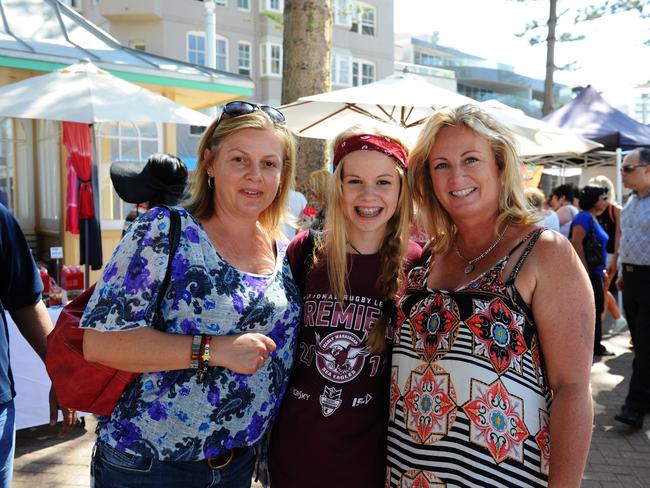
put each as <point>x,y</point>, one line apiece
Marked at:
<point>361,63</point>
<point>249,66</point>
<point>267,59</point>
<point>103,136</point>
<point>247,8</point>
<point>226,57</point>
<point>269,8</point>
<point>221,3</point>
<point>342,15</point>
<point>337,60</point>
<point>49,173</point>
<point>187,45</point>
<point>357,23</point>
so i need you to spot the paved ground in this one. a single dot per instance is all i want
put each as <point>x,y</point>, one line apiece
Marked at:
<point>619,458</point>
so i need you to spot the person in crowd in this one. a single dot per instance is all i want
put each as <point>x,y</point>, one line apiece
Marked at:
<point>337,403</point>
<point>161,180</point>
<point>314,213</point>
<point>609,220</point>
<point>295,207</point>
<point>634,259</point>
<point>216,364</point>
<point>589,238</point>
<point>562,198</point>
<point>20,295</point>
<point>478,352</point>
<point>536,200</point>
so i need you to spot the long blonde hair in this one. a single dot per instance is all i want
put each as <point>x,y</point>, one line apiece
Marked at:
<point>512,207</point>
<point>393,246</point>
<point>201,202</point>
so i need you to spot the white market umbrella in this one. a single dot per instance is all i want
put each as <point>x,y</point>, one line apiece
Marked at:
<point>536,135</point>
<point>85,93</point>
<point>406,100</point>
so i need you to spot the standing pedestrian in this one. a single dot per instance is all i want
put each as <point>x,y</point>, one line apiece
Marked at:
<point>634,259</point>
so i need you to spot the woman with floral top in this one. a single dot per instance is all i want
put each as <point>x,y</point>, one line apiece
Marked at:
<point>215,367</point>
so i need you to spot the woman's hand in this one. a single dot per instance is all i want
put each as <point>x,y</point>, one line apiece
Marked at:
<point>241,353</point>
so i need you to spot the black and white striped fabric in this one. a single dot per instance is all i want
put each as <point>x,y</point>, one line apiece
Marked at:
<point>469,400</point>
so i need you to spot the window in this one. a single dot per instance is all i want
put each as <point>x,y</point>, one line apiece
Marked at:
<point>49,174</point>
<point>342,13</point>
<point>244,58</point>
<point>428,59</point>
<point>221,3</point>
<point>363,72</point>
<point>196,48</point>
<point>244,4</point>
<point>275,5</point>
<point>122,141</point>
<point>341,69</point>
<point>271,59</point>
<point>363,19</point>
<point>221,53</point>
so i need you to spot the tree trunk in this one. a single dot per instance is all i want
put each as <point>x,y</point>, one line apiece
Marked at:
<point>548,105</point>
<point>306,70</point>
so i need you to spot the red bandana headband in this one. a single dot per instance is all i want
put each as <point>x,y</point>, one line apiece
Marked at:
<point>371,142</point>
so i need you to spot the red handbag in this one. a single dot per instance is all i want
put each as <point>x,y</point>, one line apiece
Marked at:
<point>80,384</point>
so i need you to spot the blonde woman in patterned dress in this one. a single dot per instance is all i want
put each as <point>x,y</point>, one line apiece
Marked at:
<point>491,361</point>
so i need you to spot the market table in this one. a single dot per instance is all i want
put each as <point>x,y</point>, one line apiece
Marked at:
<point>31,381</point>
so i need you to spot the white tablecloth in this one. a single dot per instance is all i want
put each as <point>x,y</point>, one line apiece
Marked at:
<point>31,380</point>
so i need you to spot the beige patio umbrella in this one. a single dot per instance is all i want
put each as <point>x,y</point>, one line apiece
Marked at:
<point>406,100</point>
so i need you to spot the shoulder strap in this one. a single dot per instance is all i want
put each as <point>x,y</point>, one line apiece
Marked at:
<point>307,260</point>
<point>174,238</point>
<point>532,239</point>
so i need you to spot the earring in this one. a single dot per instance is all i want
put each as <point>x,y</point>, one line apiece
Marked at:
<point>211,182</point>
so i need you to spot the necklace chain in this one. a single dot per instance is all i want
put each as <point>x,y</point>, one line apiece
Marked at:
<point>353,248</point>
<point>471,262</point>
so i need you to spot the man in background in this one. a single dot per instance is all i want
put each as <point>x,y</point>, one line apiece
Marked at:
<point>634,258</point>
<point>20,295</point>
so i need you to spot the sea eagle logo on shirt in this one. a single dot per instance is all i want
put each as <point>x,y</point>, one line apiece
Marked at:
<point>340,357</point>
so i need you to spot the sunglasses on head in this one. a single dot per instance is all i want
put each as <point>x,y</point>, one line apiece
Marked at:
<point>628,168</point>
<point>237,108</point>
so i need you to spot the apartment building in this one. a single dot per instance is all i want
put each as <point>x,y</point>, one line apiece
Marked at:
<point>476,77</point>
<point>248,40</point>
<point>249,36</point>
<point>641,107</point>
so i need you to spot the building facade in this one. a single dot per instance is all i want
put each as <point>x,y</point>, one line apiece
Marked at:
<point>479,78</point>
<point>248,36</point>
<point>248,41</point>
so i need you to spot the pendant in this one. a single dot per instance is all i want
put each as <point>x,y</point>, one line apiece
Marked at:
<point>469,268</point>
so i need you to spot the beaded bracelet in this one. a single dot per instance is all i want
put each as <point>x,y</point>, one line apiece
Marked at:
<point>196,350</point>
<point>204,356</point>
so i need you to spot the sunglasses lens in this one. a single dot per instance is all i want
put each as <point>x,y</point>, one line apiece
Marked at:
<point>274,113</point>
<point>235,109</point>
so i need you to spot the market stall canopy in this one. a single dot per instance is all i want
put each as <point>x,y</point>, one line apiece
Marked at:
<point>85,93</point>
<point>589,115</point>
<point>406,100</point>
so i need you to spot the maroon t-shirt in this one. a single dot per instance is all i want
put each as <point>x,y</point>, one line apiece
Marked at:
<point>331,430</point>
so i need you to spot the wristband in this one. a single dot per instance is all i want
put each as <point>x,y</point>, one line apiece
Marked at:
<point>204,356</point>
<point>196,350</point>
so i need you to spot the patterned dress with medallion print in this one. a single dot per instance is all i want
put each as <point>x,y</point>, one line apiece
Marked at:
<point>469,401</point>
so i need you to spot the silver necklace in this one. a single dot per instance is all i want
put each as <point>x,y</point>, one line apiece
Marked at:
<point>471,262</point>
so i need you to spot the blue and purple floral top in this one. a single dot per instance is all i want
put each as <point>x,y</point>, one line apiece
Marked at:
<point>171,413</point>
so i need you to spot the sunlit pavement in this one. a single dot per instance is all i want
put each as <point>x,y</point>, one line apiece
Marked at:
<point>619,457</point>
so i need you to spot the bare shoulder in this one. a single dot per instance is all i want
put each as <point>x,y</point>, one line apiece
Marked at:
<point>551,260</point>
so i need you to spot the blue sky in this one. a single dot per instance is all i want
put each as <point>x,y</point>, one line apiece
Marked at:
<point>612,57</point>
